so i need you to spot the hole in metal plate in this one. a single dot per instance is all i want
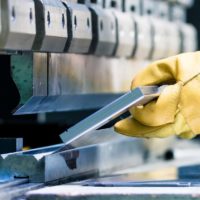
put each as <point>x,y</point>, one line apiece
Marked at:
<point>13,13</point>
<point>63,20</point>
<point>88,22</point>
<point>31,15</point>
<point>48,18</point>
<point>101,25</point>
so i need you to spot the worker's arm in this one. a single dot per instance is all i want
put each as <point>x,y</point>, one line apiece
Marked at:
<point>177,110</point>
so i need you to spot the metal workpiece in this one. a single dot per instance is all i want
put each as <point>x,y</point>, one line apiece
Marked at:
<point>79,28</point>
<point>79,133</point>
<point>188,34</point>
<point>126,35</point>
<point>104,30</point>
<point>17,25</point>
<point>143,30</point>
<point>100,159</point>
<point>132,6</point>
<point>51,25</point>
<point>113,4</point>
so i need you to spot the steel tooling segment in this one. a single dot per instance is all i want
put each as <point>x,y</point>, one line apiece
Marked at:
<point>51,25</point>
<point>94,160</point>
<point>41,166</point>
<point>144,30</point>
<point>104,32</point>
<point>81,131</point>
<point>79,28</point>
<point>125,34</point>
<point>18,27</point>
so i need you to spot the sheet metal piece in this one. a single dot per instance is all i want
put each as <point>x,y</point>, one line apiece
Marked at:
<point>18,27</point>
<point>43,166</point>
<point>104,32</point>
<point>51,25</point>
<point>79,28</point>
<point>78,133</point>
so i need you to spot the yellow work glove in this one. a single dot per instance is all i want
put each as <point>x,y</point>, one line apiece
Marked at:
<point>177,110</point>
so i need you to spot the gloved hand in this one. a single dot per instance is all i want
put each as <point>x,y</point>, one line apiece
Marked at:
<point>177,110</point>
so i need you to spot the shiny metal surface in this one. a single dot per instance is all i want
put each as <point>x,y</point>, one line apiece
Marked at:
<point>51,25</point>
<point>79,28</point>
<point>104,32</point>
<point>18,26</point>
<point>138,96</point>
